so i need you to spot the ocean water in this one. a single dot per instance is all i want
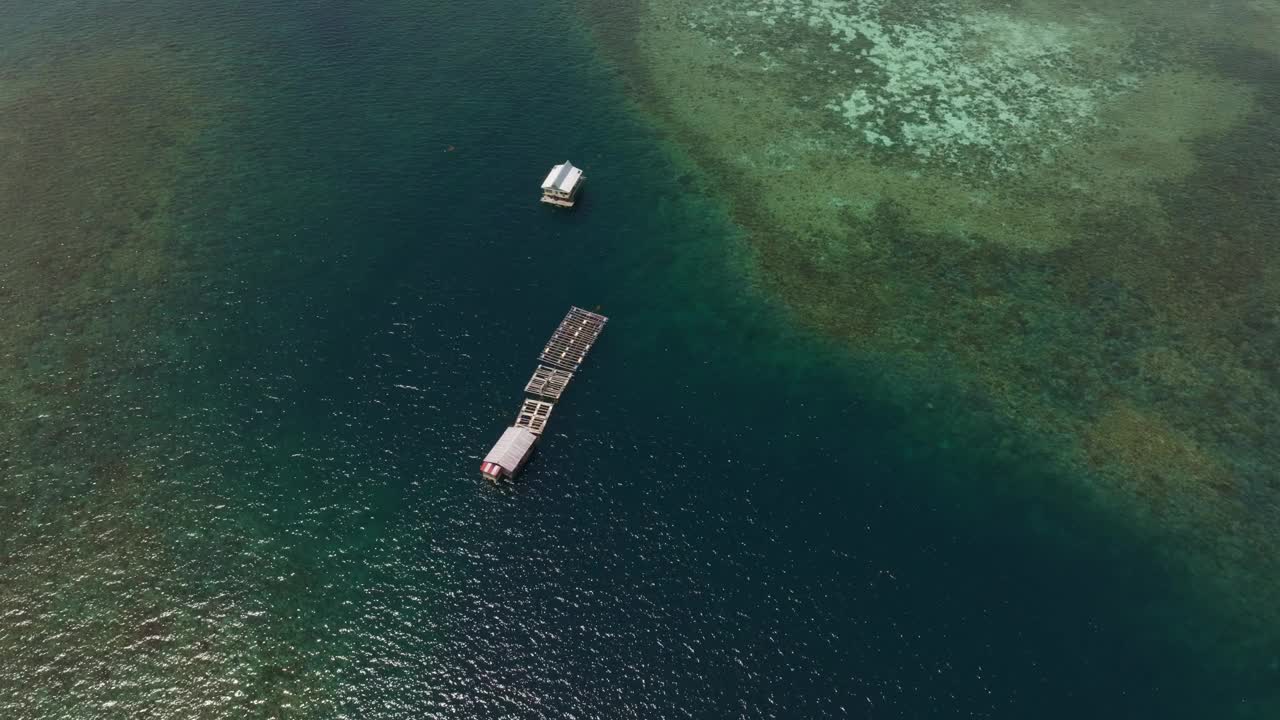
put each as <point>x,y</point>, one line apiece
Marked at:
<point>277,276</point>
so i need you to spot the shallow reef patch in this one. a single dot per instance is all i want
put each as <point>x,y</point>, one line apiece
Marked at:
<point>1064,209</point>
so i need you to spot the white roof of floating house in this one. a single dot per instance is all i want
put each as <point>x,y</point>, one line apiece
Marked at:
<point>511,448</point>
<point>562,177</point>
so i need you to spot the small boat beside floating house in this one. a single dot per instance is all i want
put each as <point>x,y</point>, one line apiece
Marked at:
<point>562,185</point>
<point>560,359</point>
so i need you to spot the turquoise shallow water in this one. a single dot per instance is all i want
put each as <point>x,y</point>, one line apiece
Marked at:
<point>274,510</point>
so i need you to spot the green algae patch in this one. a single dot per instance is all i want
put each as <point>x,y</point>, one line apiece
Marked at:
<point>1064,210</point>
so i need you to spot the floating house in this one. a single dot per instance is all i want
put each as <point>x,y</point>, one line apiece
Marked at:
<point>562,184</point>
<point>559,361</point>
<point>510,454</point>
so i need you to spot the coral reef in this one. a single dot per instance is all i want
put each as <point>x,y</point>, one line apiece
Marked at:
<point>106,590</point>
<point>1063,209</point>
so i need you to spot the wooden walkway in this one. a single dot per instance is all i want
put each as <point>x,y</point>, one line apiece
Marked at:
<point>571,342</point>
<point>548,382</point>
<point>533,415</point>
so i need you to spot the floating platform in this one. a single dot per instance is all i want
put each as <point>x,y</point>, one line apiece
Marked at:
<point>548,382</point>
<point>560,359</point>
<point>533,415</point>
<point>571,342</point>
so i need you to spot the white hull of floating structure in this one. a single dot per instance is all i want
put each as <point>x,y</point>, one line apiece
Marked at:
<point>558,202</point>
<point>561,186</point>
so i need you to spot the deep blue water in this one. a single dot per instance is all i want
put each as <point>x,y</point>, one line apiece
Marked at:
<point>727,517</point>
